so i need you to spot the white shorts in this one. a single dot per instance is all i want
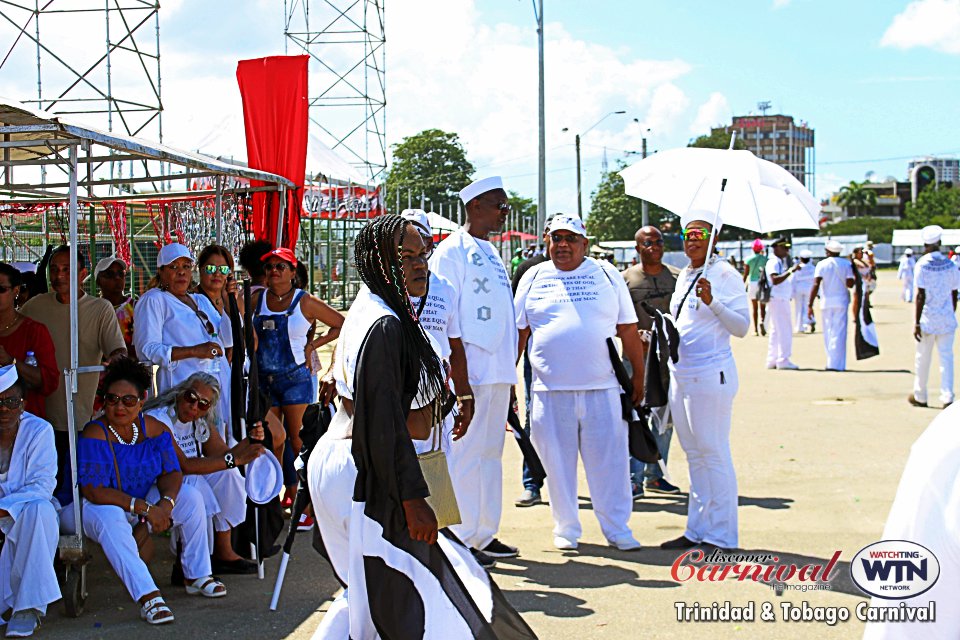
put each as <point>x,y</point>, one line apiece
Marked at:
<point>753,289</point>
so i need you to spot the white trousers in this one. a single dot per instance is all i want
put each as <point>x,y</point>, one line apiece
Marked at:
<point>907,293</point>
<point>112,528</point>
<point>780,345</point>
<point>702,403</point>
<point>835,337</point>
<point>944,345</point>
<point>27,578</point>
<point>565,423</point>
<point>802,318</point>
<point>331,476</point>
<point>476,469</point>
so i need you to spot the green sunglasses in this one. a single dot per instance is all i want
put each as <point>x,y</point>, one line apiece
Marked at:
<point>211,269</point>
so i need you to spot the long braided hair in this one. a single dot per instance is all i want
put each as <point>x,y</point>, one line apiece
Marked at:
<point>377,257</point>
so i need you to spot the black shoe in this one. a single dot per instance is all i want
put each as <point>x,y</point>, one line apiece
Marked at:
<point>483,559</point>
<point>912,399</point>
<point>683,542</point>
<point>497,549</point>
<point>636,488</point>
<point>660,486</point>
<point>240,566</point>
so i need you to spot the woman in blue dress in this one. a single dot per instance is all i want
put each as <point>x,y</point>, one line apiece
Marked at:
<point>128,473</point>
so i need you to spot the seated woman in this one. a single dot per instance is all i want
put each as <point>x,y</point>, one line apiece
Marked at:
<point>127,470</point>
<point>189,411</point>
<point>28,519</point>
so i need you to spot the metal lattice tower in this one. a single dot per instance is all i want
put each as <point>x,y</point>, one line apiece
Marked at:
<point>346,42</point>
<point>100,58</point>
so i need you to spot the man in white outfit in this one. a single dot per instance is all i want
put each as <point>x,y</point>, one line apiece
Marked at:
<point>28,518</point>
<point>937,282</point>
<point>802,283</point>
<point>568,307</point>
<point>905,274</point>
<point>780,273</point>
<point>484,302</point>
<point>835,276</point>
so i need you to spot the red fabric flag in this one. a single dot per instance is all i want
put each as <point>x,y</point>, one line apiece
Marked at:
<point>275,117</point>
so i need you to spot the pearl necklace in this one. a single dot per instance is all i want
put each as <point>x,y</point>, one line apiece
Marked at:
<point>133,440</point>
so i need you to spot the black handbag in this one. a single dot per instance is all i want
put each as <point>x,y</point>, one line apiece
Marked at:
<point>642,444</point>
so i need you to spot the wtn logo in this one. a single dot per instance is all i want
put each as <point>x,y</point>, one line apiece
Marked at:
<point>903,570</point>
<point>895,569</point>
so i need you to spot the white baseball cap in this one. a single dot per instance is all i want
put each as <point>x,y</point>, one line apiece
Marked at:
<point>480,187</point>
<point>171,252</point>
<point>419,218</point>
<point>106,263</point>
<point>568,223</point>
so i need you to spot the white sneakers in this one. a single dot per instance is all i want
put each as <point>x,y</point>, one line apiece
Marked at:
<point>564,544</point>
<point>625,543</point>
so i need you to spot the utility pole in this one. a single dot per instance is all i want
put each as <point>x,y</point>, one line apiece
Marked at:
<point>579,197</point>
<point>542,169</point>
<point>644,207</point>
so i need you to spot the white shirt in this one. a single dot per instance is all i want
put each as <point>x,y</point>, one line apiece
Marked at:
<point>449,260</point>
<point>704,341</point>
<point>803,278</point>
<point>570,315</point>
<point>926,511</point>
<point>905,270</point>
<point>939,278</point>
<point>439,316</point>
<point>777,266</point>
<point>162,322</point>
<point>833,273</point>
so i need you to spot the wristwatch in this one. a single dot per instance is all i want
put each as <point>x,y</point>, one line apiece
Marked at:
<point>228,458</point>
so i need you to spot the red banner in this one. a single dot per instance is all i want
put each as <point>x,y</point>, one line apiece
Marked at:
<point>275,117</point>
<point>342,202</point>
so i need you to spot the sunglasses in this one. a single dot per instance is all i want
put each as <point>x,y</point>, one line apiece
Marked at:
<point>694,234</point>
<point>182,267</point>
<point>569,238</point>
<point>129,400</point>
<point>192,397</point>
<point>277,266</point>
<point>11,402</point>
<point>211,269</point>
<point>4,288</point>
<point>652,243</point>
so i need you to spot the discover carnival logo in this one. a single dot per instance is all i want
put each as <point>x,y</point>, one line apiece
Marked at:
<point>895,569</point>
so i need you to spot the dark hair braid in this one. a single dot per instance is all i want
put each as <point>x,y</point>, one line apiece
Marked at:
<point>377,258</point>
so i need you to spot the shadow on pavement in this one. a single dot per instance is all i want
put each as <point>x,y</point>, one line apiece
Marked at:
<point>678,503</point>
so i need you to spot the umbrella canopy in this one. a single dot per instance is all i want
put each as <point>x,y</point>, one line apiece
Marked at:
<point>744,190</point>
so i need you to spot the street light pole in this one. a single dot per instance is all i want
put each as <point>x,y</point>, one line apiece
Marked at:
<point>542,168</point>
<point>644,207</point>
<point>579,197</point>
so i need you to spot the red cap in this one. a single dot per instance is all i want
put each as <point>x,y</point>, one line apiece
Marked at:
<point>283,253</point>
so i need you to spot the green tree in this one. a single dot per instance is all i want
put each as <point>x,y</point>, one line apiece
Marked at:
<point>431,163</point>
<point>934,206</point>
<point>855,197</point>
<point>718,139</point>
<point>877,229</point>
<point>523,213</point>
<point>616,216</point>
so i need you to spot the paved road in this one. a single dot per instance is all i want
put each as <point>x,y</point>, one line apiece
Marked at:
<point>818,457</point>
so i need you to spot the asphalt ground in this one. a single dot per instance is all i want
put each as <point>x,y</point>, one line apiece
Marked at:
<point>818,457</point>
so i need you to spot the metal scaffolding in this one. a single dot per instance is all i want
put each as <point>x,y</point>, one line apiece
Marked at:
<point>345,40</point>
<point>119,84</point>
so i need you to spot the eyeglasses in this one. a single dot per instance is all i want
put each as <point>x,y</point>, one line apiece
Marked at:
<point>694,234</point>
<point>569,238</point>
<point>211,269</point>
<point>4,288</point>
<point>652,243</point>
<point>192,397</point>
<point>277,266</point>
<point>187,266</point>
<point>502,206</point>
<point>129,400</point>
<point>114,274</point>
<point>11,402</point>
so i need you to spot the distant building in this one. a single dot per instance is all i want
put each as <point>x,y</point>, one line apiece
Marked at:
<point>948,169</point>
<point>780,140</point>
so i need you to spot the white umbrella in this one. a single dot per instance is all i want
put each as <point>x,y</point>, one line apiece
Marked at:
<point>738,187</point>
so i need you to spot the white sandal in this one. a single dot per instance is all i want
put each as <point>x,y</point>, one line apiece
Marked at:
<point>206,587</point>
<point>154,607</point>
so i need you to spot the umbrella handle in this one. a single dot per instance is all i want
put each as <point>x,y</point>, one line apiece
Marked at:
<point>713,235</point>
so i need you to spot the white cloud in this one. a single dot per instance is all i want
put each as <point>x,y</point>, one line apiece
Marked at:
<point>926,23</point>
<point>712,113</point>
<point>780,4</point>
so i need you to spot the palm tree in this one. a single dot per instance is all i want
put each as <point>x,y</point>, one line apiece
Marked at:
<point>855,196</point>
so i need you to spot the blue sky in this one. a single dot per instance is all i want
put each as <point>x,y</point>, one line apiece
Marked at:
<point>876,79</point>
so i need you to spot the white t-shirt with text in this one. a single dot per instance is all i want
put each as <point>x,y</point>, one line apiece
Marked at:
<point>570,315</point>
<point>439,315</point>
